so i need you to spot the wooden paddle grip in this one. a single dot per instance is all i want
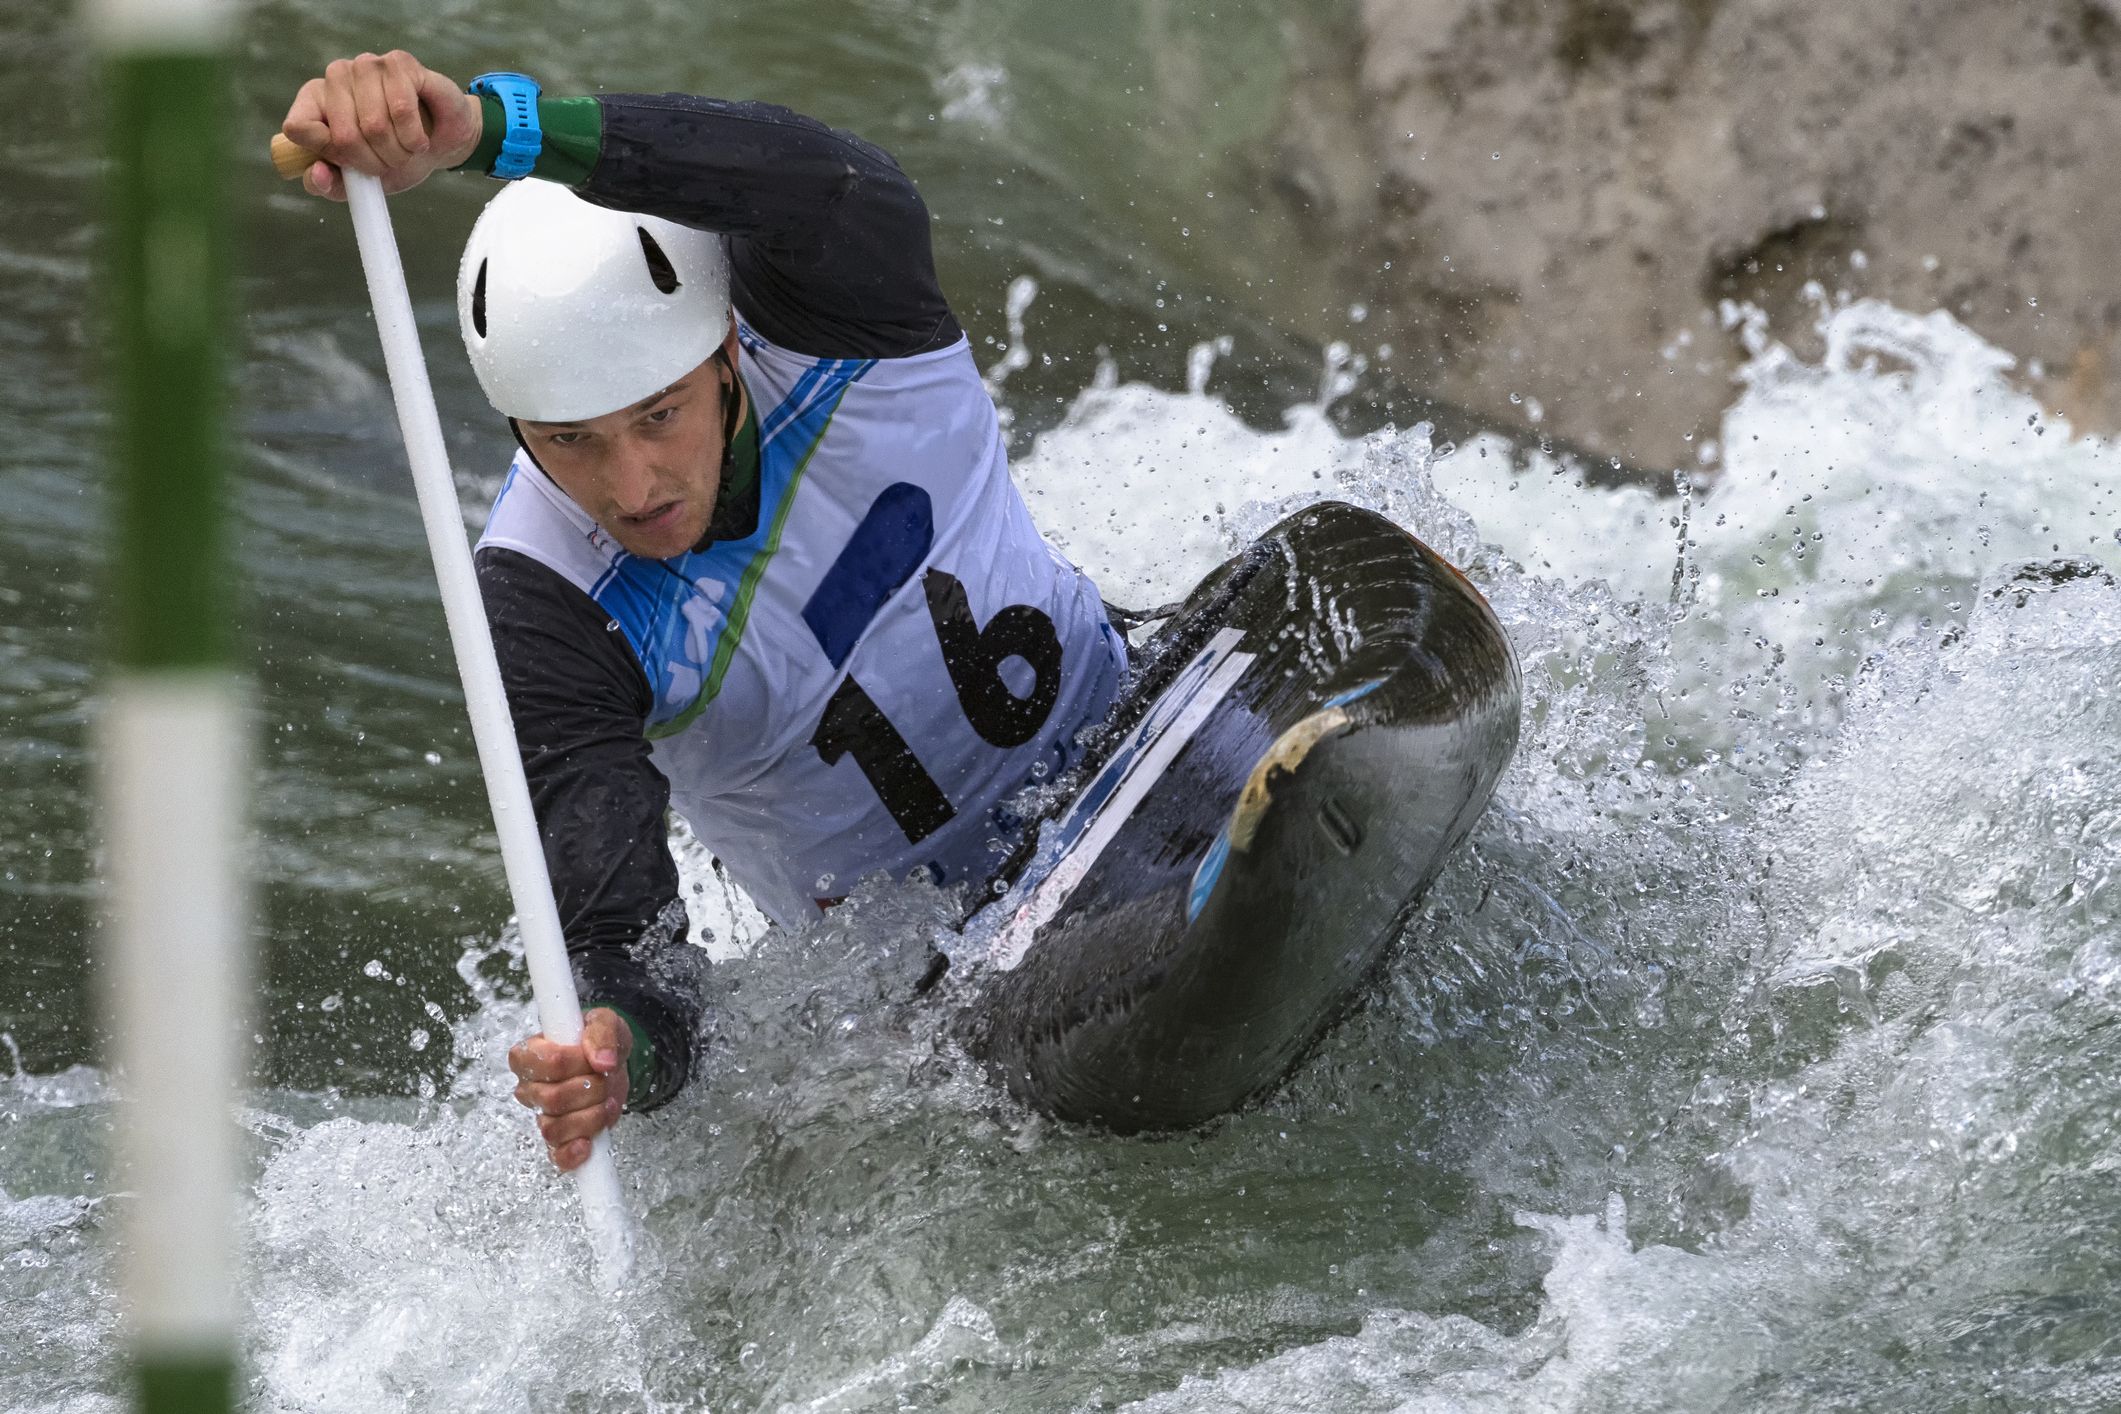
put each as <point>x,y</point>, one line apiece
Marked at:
<point>289,158</point>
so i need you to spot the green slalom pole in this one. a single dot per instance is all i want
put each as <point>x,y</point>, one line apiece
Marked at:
<point>171,737</point>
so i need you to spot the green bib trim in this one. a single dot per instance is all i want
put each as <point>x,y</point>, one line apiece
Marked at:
<point>747,588</point>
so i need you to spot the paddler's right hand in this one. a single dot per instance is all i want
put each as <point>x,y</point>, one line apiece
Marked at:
<point>578,1091</point>
<point>387,115</point>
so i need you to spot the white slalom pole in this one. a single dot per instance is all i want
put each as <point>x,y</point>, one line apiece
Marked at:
<point>544,948</point>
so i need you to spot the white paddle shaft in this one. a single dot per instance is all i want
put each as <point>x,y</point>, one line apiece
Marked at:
<point>492,729</point>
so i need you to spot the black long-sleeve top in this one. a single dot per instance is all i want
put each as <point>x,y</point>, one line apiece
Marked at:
<point>829,256</point>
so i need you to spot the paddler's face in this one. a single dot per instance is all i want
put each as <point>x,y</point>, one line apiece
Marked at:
<point>649,473</point>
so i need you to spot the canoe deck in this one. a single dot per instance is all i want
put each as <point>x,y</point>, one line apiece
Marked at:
<point>1302,747</point>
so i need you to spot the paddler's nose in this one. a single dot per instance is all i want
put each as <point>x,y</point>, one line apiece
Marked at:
<point>630,477</point>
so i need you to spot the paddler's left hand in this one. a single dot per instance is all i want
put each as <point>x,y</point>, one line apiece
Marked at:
<point>387,115</point>
<point>578,1091</point>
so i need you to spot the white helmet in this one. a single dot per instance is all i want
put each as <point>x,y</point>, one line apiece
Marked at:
<point>571,310</point>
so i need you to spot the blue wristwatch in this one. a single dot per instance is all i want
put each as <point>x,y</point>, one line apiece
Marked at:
<point>522,141</point>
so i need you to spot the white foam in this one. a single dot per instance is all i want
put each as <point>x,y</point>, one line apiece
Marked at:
<point>1833,1029</point>
<point>1899,461</point>
<point>1146,489</point>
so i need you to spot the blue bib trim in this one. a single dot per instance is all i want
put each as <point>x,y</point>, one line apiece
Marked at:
<point>886,548</point>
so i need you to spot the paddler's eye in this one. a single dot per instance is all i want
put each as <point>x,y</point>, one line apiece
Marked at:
<point>565,439</point>
<point>662,416</point>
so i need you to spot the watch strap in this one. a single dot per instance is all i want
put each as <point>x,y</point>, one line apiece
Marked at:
<point>522,140</point>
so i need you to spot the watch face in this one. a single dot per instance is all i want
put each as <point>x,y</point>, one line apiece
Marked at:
<point>507,86</point>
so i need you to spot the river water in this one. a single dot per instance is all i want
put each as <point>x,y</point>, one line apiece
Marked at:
<point>1757,1053</point>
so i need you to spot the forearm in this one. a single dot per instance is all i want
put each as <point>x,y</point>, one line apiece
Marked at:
<point>616,887</point>
<point>828,239</point>
<point>578,700</point>
<point>737,168</point>
<point>654,984</point>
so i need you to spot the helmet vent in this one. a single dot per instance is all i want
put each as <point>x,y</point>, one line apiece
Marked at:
<point>478,301</point>
<point>659,268</point>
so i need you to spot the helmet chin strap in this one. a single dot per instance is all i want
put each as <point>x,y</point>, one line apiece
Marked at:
<point>515,430</point>
<point>732,407</point>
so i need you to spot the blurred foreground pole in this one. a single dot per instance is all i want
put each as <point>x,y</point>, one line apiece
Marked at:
<point>171,744</point>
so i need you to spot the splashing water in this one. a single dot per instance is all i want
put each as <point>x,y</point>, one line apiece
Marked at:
<point>1757,1052</point>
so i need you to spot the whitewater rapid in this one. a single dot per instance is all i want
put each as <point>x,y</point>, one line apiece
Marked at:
<point>1757,1052</point>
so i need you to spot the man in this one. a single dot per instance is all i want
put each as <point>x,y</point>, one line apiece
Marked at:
<point>758,558</point>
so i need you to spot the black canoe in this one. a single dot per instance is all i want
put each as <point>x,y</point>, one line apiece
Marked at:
<point>1300,749</point>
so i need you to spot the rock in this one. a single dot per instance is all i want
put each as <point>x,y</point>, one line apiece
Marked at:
<point>1567,190</point>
